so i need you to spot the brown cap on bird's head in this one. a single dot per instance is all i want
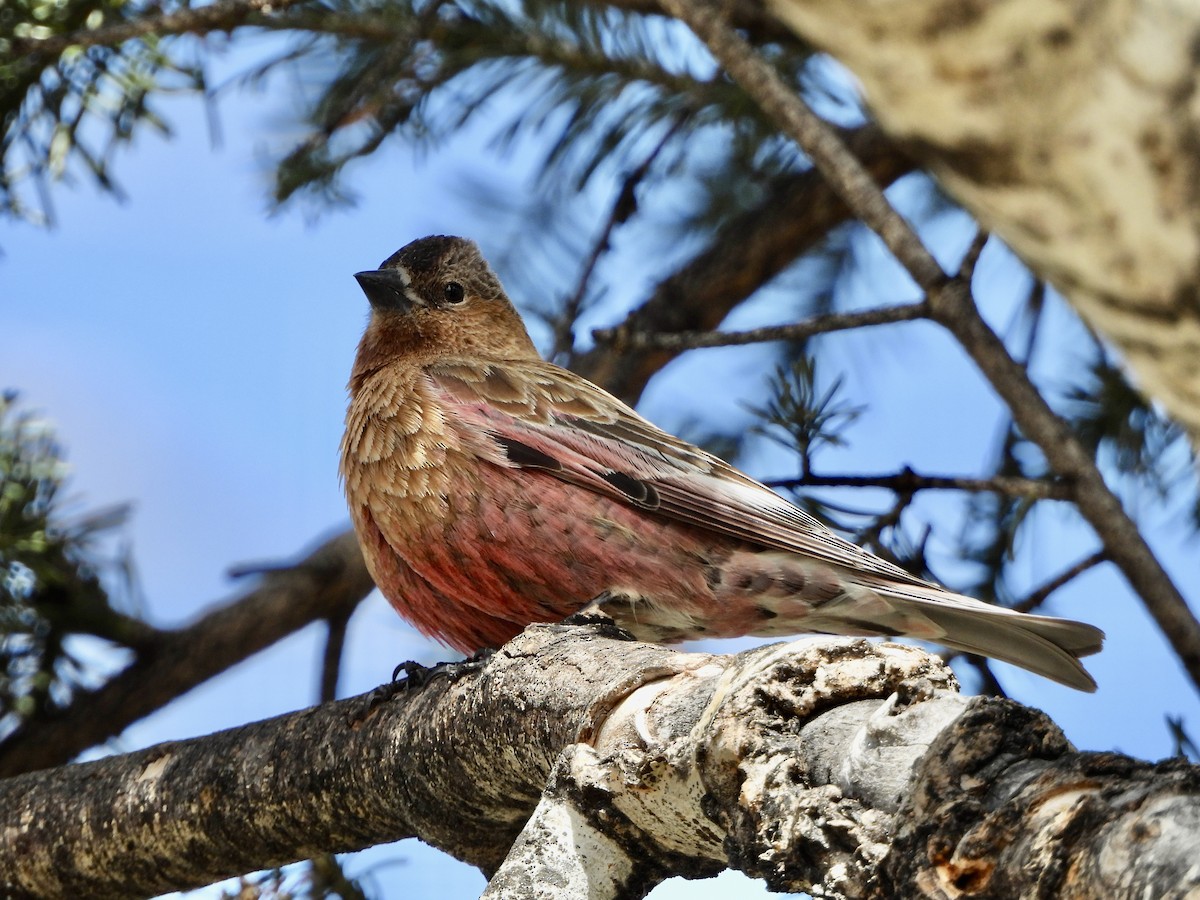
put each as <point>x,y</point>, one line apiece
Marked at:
<point>437,298</point>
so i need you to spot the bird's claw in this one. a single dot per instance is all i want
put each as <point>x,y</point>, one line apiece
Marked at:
<point>411,675</point>
<point>417,675</point>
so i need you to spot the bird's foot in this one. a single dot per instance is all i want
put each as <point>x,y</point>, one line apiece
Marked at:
<point>596,614</point>
<point>590,616</point>
<point>410,676</point>
<point>417,675</point>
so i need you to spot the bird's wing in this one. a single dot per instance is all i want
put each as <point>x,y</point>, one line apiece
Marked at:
<point>533,414</point>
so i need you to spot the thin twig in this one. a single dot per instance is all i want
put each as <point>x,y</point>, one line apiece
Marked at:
<point>623,337</point>
<point>1036,306</point>
<point>624,206</point>
<point>966,268</point>
<point>908,481</point>
<point>1038,596</point>
<point>331,658</point>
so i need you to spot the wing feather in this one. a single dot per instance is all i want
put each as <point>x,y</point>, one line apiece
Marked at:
<point>537,415</point>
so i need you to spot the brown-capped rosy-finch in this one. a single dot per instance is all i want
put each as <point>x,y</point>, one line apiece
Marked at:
<point>491,489</point>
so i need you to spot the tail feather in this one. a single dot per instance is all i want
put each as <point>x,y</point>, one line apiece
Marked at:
<point>1047,646</point>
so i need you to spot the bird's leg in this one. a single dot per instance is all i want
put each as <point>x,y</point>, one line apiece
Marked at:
<point>416,676</point>
<point>449,670</point>
<point>599,614</point>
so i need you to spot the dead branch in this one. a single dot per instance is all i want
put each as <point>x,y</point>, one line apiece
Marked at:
<point>906,481</point>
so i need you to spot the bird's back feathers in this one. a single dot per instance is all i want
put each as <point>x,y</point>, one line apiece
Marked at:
<point>545,417</point>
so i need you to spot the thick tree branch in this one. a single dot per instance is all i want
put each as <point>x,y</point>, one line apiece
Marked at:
<point>332,580</point>
<point>1007,810</point>
<point>797,763</point>
<point>460,763</point>
<point>952,306</point>
<point>1095,183</point>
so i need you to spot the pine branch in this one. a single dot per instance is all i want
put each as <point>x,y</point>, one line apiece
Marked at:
<point>602,84</point>
<point>624,206</point>
<point>223,15</point>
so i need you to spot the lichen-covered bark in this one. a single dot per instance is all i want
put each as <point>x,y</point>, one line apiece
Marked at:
<point>578,764</point>
<point>1002,808</point>
<point>1072,130</point>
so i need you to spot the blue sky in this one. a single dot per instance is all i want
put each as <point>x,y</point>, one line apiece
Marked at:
<point>192,351</point>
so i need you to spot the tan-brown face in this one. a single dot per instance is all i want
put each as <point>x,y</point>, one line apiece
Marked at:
<point>437,298</point>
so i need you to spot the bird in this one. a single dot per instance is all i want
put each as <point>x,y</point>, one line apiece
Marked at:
<point>491,489</point>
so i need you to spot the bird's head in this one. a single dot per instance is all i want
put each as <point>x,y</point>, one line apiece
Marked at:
<point>437,298</point>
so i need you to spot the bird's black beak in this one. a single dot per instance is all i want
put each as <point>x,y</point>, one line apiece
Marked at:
<point>386,289</point>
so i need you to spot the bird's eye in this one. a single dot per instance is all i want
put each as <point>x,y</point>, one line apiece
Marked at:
<point>453,292</point>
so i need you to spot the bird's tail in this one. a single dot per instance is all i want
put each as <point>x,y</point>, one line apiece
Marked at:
<point>1048,646</point>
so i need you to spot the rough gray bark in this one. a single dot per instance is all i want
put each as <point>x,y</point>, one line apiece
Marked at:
<point>1069,129</point>
<point>577,764</point>
<point>1002,808</point>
